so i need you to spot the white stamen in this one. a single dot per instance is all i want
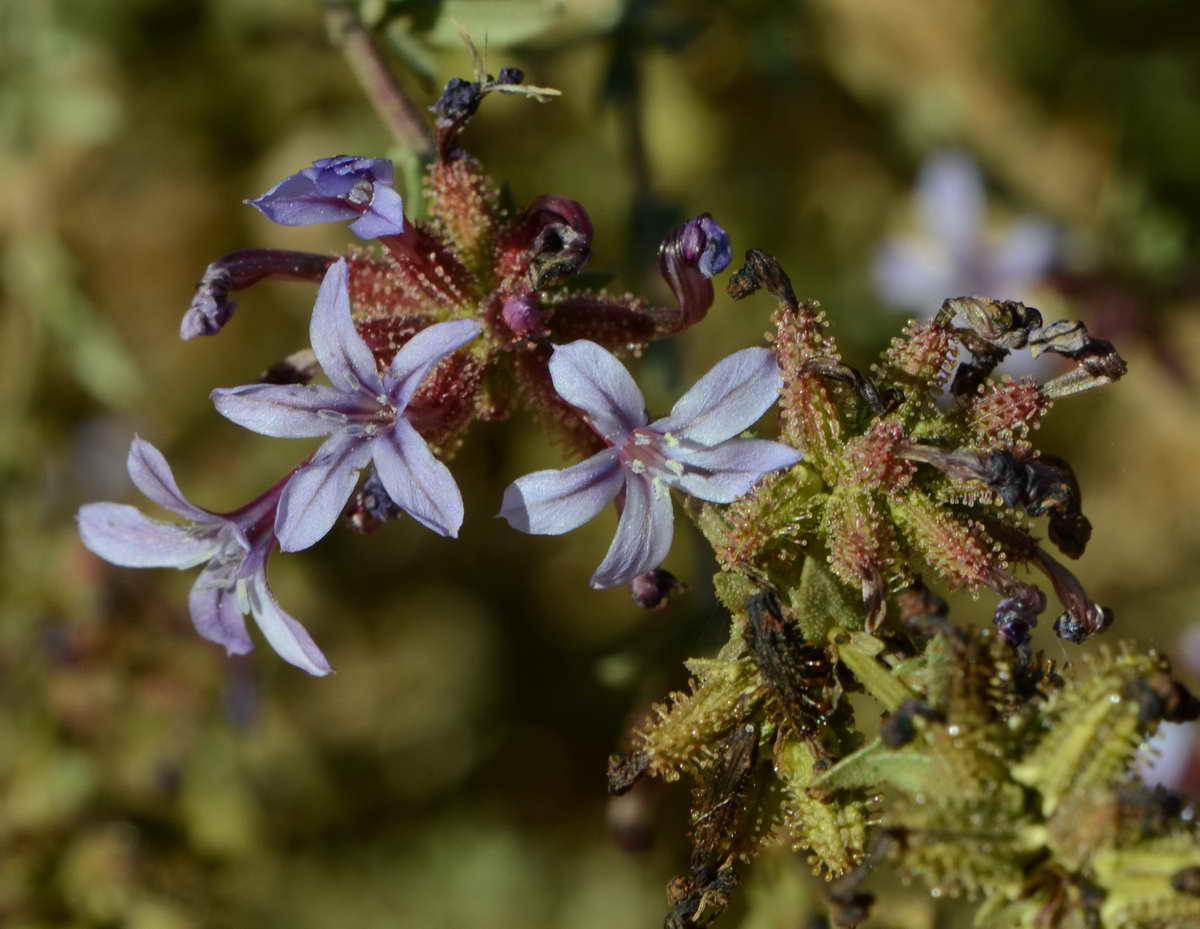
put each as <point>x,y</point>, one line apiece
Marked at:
<point>670,440</point>
<point>660,488</point>
<point>243,596</point>
<point>641,438</point>
<point>336,415</point>
<point>637,467</point>
<point>674,466</point>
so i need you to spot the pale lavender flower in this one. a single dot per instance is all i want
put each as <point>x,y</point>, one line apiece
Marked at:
<point>692,449</point>
<point>233,547</point>
<point>953,256</point>
<point>333,189</point>
<point>363,414</point>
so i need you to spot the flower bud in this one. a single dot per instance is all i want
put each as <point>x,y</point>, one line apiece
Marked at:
<point>652,590</point>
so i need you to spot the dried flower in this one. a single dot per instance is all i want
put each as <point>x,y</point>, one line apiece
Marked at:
<point>363,414</point>
<point>233,547</point>
<point>333,189</point>
<point>692,449</point>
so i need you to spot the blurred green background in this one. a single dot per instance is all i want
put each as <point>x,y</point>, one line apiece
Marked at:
<point>451,774</point>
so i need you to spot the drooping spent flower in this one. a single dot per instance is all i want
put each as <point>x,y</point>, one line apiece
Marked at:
<point>363,413</point>
<point>333,189</point>
<point>233,547</point>
<point>693,449</point>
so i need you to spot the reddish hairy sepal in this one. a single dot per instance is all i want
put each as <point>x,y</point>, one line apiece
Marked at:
<point>428,266</point>
<point>463,208</point>
<point>615,322</point>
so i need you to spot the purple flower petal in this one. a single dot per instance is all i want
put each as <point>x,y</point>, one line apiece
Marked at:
<point>125,536</point>
<point>416,481</point>
<point>289,639</point>
<point>385,215</point>
<point>643,536</point>
<point>314,498</point>
<point>554,502</point>
<point>591,379</point>
<point>344,356</point>
<point>916,277</point>
<point>727,400</point>
<point>1024,254</point>
<point>950,197</point>
<point>420,353</point>
<point>290,410</point>
<point>727,472</point>
<point>217,616</point>
<point>151,474</point>
<point>298,201</point>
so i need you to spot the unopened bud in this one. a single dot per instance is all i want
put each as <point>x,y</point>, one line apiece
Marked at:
<point>652,590</point>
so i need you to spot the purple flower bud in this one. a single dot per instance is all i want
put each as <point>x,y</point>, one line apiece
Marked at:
<point>652,590</point>
<point>521,315</point>
<point>333,189</point>
<point>707,244</point>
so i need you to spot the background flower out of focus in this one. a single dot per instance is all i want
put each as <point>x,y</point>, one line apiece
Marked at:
<point>452,772</point>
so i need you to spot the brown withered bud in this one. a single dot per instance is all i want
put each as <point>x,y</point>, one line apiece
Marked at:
<point>1160,697</point>
<point>624,770</point>
<point>297,368</point>
<point>795,672</point>
<point>880,402</point>
<point>899,728</point>
<point>1002,324</point>
<point>993,329</point>
<point>1097,361</point>
<point>761,270</point>
<point>563,242</point>
<point>652,590</point>
<point>1187,881</point>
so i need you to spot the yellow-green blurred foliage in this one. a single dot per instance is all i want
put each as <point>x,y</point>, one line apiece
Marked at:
<point>451,773</point>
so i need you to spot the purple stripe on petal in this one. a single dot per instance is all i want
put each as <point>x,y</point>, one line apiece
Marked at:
<point>289,639</point>
<point>728,399</point>
<point>554,502</point>
<point>218,617</point>
<point>643,536</point>
<point>314,498</point>
<point>125,536</point>
<point>151,474</point>
<point>591,379</point>
<point>416,481</point>
<point>290,410</point>
<point>724,473</point>
<point>422,352</point>
<point>343,355</point>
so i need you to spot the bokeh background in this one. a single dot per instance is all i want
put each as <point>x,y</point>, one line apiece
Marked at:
<point>451,774</point>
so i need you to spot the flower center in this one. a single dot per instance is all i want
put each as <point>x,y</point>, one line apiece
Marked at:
<point>643,453</point>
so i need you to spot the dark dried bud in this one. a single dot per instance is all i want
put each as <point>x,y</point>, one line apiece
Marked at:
<point>1187,881</point>
<point>1097,360</point>
<point>548,243</point>
<point>652,590</point>
<point>761,270</point>
<point>510,76</point>
<point>1162,698</point>
<point>457,104</point>
<point>1075,629</point>
<point>297,368</point>
<point>1003,324</point>
<point>624,770</point>
<point>371,507</point>
<point>1015,618</point>
<point>879,402</point>
<point>899,728</point>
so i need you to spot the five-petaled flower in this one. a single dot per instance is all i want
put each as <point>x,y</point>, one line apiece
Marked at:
<point>333,189</point>
<point>233,547</point>
<point>693,449</point>
<point>363,414</point>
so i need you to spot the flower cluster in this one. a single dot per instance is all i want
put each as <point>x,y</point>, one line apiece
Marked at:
<point>411,343</point>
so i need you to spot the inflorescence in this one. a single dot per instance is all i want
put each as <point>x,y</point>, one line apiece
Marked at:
<point>993,774</point>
